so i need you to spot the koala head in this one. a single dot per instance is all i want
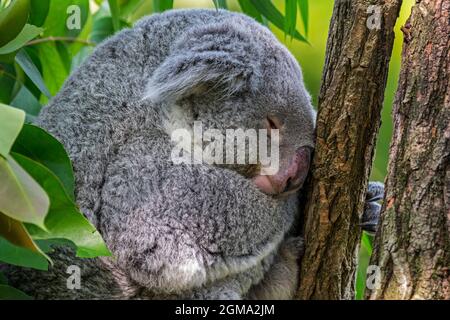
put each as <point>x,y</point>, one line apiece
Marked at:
<point>233,74</point>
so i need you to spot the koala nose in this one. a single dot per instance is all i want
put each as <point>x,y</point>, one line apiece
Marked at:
<point>293,176</point>
<point>288,178</point>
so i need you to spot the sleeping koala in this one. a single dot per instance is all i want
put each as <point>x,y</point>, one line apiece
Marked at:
<point>196,231</point>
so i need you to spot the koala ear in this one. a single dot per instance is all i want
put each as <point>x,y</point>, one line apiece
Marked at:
<point>212,57</point>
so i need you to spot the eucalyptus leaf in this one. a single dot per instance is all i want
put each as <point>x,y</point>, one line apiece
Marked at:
<point>162,5</point>
<point>7,82</point>
<point>39,11</point>
<point>53,68</point>
<point>3,279</point>
<point>38,145</point>
<point>115,14</point>
<point>103,28</point>
<point>367,242</point>
<point>12,120</point>
<point>13,19</point>
<point>220,4</point>
<point>27,65</point>
<point>268,10</point>
<point>304,11</point>
<point>21,197</point>
<point>64,220</point>
<point>29,32</point>
<point>20,256</point>
<point>10,293</point>
<point>290,21</point>
<point>47,245</point>
<point>66,58</point>
<point>127,9</point>
<point>15,232</point>
<point>27,102</point>
<point>249,9</point>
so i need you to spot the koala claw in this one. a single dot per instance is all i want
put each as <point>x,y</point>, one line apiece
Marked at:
<point>372,209</point>
<point>292,248</point>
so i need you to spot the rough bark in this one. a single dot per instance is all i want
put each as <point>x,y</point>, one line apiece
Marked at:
<point>412,247</point>
<point>350,101</point>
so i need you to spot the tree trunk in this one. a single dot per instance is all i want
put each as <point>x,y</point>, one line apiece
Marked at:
<point>354,78</point>
<point>412,246</point>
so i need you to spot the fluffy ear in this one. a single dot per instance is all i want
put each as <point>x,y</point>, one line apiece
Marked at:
<point>211,57</point>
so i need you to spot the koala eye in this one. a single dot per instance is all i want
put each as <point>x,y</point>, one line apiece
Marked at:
<point>272,123</point>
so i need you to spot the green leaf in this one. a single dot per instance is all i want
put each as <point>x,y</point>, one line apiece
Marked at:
<point>15,232</point>
<point>56,22</point>
<point>27,65</point>
<point>268,10</point>
<point>47,246</point>
<point>103,28</point>
<point>115,14</point>
<point>29,32</point>
<point>12,120</point>
<point>127,9</point>
<point>66,58</point>
<point>7,81</point>
<point>13,19</point>
<point>21,197</point>
<point>249,9</point>
<point>3,279</point>
<point>53,68</point>
<point>10,293</point>
<point>27,102</point>
<point>20,256</point>
<point>290,22</point>
<point>304,11</point>
<point>64,220</point>
<point>33,53</point>
<point>20,78</point>
<point>364,258</point>
<point>220,4</point>
<point>38,145</point>
<point>162,5</point>
<point>367,242</point>
<point>39,11</point>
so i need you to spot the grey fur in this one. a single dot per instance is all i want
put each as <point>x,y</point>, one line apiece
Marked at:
<point>197,231</point>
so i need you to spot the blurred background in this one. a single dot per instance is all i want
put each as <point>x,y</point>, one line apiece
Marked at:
<point>38,51</point>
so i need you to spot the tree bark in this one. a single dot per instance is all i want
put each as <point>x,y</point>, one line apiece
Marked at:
<point>412,246</point>
<point>350,102</point>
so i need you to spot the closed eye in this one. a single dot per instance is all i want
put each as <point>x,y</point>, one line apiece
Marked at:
<point>272,123</point>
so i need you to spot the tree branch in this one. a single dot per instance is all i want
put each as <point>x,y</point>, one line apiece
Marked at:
<point>350,102</point>
<point>66,39</point>
<point>412,246</point>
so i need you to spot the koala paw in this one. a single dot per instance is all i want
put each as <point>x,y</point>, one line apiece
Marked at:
<point>292,248</point>
<point>372,209</point>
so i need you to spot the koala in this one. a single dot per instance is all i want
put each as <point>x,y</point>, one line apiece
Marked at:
<point>183,231</point>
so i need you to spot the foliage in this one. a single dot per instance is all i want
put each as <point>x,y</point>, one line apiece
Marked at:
<point>37,183</point>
